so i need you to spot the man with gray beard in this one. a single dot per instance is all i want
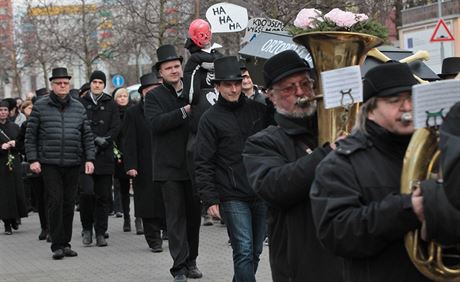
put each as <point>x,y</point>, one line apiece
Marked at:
<point>280,163</point>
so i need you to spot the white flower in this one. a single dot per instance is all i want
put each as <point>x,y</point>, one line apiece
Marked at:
<point>361,17</point>
<point>341,18</point>
<point>307,18</point>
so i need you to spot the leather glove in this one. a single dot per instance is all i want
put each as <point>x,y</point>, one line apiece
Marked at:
<point>101,142</point>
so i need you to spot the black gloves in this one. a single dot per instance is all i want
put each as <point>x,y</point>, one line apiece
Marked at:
<point>101,142</point>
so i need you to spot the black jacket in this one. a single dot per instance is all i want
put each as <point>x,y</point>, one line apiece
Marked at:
<point>222,131</point>
<point>169,125</point>
<point>280,163</point>
<point>105,122</point>
<point>359,211</point>
<point>59,134</point>
<point>148,201</point>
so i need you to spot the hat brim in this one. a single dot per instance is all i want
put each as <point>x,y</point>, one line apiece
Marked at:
<point>142,87</point>
<point>394,91</point>
<point>286,74</point>
<point>445,75</point>
<point>54,77</point>
<point>228,79</point>
<point>157,65</point>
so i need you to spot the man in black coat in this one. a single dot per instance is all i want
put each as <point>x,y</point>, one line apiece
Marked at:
<point>58,141</point>
<point>280,163</point>
<point>356,202</point>
<point>148,200</point>
<point>96,189</point>
<point>220,174</point>
<point>167,112</point>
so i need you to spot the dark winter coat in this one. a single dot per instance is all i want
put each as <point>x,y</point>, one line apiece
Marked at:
<point>169,125</point>
<point>12,198</point>
<point>148,199</point>
<point>280,163</point>
<point>222,131</point>
<point>59,133</point>
<point>105,122</point>
<point>359,211</point>
<point>119,162</point>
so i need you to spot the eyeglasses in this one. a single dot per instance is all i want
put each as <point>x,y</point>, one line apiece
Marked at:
<point>61,83</point>
<point>305,85</point>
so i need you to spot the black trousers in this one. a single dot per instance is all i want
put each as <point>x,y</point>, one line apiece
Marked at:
<point>152,228</point>
<point>61,189</point>
<point>95,202</point>
<point>38,192</point>
<point>121,185</point>
<point>182,210</point>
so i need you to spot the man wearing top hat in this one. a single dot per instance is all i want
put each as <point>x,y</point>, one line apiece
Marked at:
<point>280,163</point>
<point>148,200</point>
<point>450,68</point>
<point>96,189</point>
<point>58,142</point>
<point>220,174</point>
<point>358,210</point>
<point>168,112</point>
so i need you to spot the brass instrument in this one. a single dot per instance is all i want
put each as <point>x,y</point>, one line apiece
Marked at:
<point>333,50</point>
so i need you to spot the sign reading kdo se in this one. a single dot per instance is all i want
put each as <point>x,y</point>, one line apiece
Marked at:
<point>226,17</point>
<point>258,25</point>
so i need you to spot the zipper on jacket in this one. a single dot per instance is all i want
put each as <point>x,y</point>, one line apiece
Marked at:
<point>62,137</point>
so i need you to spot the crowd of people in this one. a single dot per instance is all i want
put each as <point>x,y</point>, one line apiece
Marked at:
<point>206,142</point>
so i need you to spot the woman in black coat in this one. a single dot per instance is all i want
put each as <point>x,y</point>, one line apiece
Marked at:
<point>12,199</point>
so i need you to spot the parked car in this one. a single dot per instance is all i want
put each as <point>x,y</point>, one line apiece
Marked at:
<point>133,94</point>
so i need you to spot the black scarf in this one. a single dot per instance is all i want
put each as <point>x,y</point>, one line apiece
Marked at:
<point>304,129</point>
<point>60,102</point>
<point>387,142</point>
<point>231,105</point>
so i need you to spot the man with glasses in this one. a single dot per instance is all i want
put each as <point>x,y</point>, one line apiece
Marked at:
<point>58,141</point>
<point>358,210</point>
<point>280,163</point>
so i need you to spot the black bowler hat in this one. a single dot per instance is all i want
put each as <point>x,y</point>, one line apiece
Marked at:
<point>166,53</point>
<point>387,80</point>
<point>59,73</point>
<point>450,66</point>
<point>41,92</point>
<point>85,87</point>
<point>227,68</point>
<point>148,80</point>
<point>283,65</point>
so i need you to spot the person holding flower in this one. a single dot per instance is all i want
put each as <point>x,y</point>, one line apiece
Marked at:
<point>12,198</point>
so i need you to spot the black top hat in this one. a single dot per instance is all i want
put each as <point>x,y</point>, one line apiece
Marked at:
<point>450,66</point>
<point>41,92</point>
<point>283,65</point>
<point>166,53</point>
<point>148,80</point>
<point>227,68</point>
<point>59,73</point>
<point>388,79</point>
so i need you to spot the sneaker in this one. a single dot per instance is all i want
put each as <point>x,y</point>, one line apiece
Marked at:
<point>58,254</point>
<point>87,237</point>
<point>100,241</point>
<point>193,272</point>
<point>68,252</point>
<point>180,278</point>
<point>207,220</point>
<point>42,235</point>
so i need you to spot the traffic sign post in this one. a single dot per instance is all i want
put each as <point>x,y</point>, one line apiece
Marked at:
<point>118,80</point>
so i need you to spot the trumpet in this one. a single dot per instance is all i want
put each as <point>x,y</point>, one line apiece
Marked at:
<point>406,118</point>
<point>419,55</point>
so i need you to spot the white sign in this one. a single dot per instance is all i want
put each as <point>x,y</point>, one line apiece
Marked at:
<point>257,25</point>
<point>342,87</point>
<point>226,17</point>
<point>432,101</point>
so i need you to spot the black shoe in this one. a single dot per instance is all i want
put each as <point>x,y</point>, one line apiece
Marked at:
<point>106,235</point>
<point>164,235</point>
<point>100,241</point>
<point>139,227</point>
<point>157,248</point>
<point>87,237</point>
<point>48,238</point>
<point>180,278</point>
<point>207,220</point>
<point>58,254</point>
<point>193,272</point>
<point>8,230</point>
<point>68,252</point>
<point>77,207</point>
<point>14,224</point>
<point>42,235</point>
<point>127,225</point>
<point>118,214</point>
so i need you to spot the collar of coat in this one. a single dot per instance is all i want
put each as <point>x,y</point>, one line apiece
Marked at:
<point>297,126</point>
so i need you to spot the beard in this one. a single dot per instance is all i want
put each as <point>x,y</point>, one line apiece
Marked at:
<point>299,112</point>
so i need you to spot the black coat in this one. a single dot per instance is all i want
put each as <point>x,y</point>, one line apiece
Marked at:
<point>104,118</point>
<point>169,125</point>
<point>58,134</point>
<point>222,131</point>
<point>148,200</point>
<point>281,170</point>
<point>12,198</point>
<point>359,211</point>
<point>120,172</point>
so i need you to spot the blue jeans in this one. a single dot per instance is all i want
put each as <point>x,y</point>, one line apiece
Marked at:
<point>246,225</point>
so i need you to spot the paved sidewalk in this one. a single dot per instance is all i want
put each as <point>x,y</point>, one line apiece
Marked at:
<point>127,258</point>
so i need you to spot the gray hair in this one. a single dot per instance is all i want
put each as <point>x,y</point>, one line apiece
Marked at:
<point>364,110</point>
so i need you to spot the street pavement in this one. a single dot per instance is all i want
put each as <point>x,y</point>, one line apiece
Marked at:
<point>127,257</point>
